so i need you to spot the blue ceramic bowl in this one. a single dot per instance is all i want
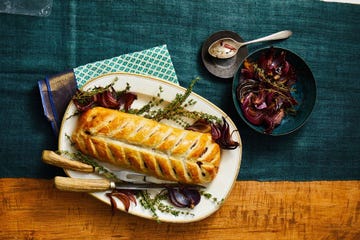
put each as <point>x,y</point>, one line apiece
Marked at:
<point>305,93</point>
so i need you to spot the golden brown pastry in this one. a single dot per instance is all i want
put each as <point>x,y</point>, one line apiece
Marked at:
<point>146,146</point>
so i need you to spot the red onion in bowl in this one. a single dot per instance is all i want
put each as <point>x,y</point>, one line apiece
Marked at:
<point>265,89</point>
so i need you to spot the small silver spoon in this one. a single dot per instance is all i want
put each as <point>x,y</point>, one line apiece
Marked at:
<point>228,47</point>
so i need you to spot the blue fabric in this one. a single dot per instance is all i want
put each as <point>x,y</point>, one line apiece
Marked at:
<point>80,32</point>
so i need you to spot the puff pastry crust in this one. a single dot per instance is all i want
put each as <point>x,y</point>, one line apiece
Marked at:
<point>146,146</point>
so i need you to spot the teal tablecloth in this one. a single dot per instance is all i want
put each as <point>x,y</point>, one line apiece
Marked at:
<point>326,35</point>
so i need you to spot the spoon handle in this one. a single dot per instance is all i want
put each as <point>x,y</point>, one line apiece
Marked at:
<point>275,36</point>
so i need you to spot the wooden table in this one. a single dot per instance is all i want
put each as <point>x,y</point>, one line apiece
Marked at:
<point>35,209</point>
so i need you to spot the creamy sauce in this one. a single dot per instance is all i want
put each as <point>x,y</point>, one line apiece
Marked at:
<point>223,49</point>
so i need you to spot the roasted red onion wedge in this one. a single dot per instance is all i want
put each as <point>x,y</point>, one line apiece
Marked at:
<point>127,99</point>
<point>104,97</point>
<point>184,197</point>
<point>220,132</point>
<point>125,196</point>
<point>200,125</point>
<point>222,136</point>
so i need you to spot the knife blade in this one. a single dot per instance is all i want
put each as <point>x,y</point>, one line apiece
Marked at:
<point>98,185</point>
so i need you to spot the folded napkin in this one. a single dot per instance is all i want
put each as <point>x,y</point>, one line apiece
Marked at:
<point>56,91</point>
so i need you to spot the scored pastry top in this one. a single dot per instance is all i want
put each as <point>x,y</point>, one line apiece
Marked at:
<point>133,142</point>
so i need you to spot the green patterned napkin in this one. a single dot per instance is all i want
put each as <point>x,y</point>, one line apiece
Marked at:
<point>56,91</point>
<point>154,62</point>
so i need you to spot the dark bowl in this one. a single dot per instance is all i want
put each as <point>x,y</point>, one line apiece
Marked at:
<point>305,93</point>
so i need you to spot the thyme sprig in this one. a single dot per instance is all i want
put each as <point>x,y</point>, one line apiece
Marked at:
<point>155,101</point>
<point>177,106</point>
<point>210,197</point>
<point>156,203</point>
<point>280,87</point>
<point>176,110</point>
<point>276,87</point>
<point>84,96</point>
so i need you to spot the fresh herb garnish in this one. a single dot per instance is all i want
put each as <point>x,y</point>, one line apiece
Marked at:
<point>176,110</point>
<point>156,109</point>
<point>210,197</point>
<point>156,203</point>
